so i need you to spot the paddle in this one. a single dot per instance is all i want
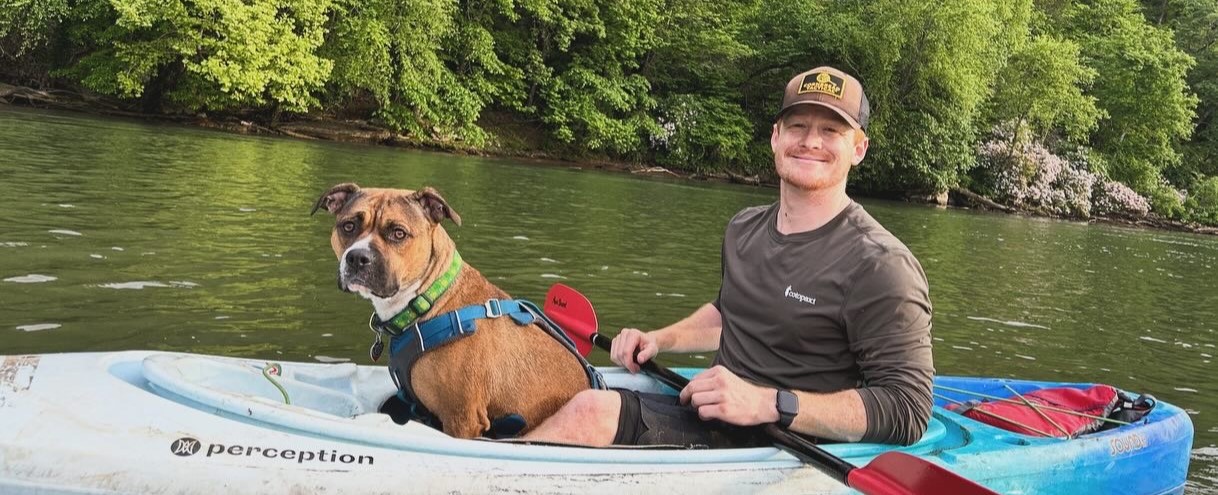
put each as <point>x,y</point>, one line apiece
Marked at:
<point>890,473</point>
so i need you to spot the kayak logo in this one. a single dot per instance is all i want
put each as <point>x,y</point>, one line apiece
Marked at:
<point>187,446</point>
<point>799,297</point>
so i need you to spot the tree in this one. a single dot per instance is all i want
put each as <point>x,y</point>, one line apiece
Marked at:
<point>1140,86</point>
<point>1041,86</point>
<point>205,54</point>
<point>395,52</point>
<point>1195,25</point>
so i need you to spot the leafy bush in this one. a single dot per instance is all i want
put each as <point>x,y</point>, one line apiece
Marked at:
<point>1166,200</point>
<point>701,134</point>
<point>1202,205</point>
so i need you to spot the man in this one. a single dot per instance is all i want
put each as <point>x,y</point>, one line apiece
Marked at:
<point>822,322</point>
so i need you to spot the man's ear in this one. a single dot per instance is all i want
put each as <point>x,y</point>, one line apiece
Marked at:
<point>861,143</point>
<point>334,199</point>
<point>434,206</point>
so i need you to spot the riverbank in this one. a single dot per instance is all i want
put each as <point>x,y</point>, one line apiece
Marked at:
<point>362,131</point>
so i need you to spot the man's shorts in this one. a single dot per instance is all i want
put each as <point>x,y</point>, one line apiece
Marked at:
<point>657,419</point>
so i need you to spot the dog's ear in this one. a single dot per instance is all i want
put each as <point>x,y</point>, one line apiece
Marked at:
<point>334,199</point>
<point>434,205</point>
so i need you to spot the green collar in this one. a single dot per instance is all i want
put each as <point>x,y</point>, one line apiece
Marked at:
<point>421,303</point>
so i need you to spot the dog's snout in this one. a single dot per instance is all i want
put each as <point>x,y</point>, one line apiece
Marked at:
<point>359,258</point>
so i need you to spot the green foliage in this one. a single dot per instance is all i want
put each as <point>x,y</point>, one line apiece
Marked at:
<point>26,25</point>
<point>208,54</point>
<point>1192,22</point>
<point>395,52</point>
<point>1140,86</point>
<point>702,134</point>
<point>1042,85</point>
<point>1202,204</point>
<point>1166,201</point>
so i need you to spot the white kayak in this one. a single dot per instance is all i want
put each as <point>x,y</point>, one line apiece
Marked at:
<point>157,422</point>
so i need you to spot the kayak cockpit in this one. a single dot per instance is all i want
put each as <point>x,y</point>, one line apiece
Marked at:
<point>341,401</point>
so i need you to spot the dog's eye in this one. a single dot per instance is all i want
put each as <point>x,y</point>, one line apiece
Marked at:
<point>348,226</point>
<point>398,234</point>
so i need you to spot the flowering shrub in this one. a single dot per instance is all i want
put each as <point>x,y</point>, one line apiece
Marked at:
<point>1026,174</point>
<point>1115,198</point>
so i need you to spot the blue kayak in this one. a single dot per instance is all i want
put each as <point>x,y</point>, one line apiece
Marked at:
<point>157,422</point>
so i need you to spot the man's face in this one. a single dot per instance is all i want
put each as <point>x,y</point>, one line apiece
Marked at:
<point>814,148</point>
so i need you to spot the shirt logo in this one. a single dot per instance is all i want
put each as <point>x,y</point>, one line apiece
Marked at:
<point>799,297</point>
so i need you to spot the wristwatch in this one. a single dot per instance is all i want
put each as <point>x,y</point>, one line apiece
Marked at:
<point>788,406</point>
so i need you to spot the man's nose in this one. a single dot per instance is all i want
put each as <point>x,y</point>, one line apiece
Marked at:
<point>812,140</point>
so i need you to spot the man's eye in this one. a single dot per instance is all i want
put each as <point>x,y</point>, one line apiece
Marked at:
<point>348,226</point>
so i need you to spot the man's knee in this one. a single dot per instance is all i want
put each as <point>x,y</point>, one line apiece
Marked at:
<point>588,404</point>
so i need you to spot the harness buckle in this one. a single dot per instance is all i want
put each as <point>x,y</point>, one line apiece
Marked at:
<point>497,310</point>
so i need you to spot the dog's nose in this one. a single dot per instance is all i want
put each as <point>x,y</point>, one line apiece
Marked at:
<point>359,258</point>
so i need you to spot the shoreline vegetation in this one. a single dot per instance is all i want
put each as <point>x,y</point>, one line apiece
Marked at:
<point>1093,110</point>
<point>321,128</point>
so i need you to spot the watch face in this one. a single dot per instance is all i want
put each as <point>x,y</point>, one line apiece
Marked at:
<point>788,402</point>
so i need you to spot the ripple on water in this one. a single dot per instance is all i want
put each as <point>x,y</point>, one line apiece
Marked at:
<point>65,232</point>
<point>38,327</point>
<point>32,278</point>
<point>1007,323</point>
<point>552,275</point>
<point>142,284</point>
<point>14,244</point>
<point>328,359</point>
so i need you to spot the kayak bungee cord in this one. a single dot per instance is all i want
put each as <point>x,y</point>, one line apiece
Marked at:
<point>276,369</point>
<point>1047,408</point>
<point>1038,411</point>
<point>998,417</point>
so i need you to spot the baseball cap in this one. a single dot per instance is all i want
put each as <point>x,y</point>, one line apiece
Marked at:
<point>829,88</point>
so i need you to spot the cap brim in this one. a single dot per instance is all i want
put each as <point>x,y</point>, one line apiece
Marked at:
<point>849,120</point>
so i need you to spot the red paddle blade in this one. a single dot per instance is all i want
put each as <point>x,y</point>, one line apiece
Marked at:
<point>573,312</point>
<point>898,473</point>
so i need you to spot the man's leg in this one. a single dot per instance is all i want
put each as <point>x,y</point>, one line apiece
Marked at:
<point>590,418</point>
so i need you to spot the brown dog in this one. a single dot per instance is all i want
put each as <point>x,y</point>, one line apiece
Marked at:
<point>391,247</point>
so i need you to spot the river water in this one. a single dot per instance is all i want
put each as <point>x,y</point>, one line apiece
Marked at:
<point>125,235</point>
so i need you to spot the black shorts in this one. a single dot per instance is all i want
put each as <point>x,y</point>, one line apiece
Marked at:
<point>658,419</point>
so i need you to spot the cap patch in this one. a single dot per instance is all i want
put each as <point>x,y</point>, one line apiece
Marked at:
<point>822,82</point>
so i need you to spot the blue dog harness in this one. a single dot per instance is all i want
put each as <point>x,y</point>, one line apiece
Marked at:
<point>410,338</point>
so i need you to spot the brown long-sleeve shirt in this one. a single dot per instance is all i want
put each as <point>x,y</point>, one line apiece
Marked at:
<point>843,306</point>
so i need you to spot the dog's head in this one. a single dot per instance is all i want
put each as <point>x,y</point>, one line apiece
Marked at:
<point>386,239</point>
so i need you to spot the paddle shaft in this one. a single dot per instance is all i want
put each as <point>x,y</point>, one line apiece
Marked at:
<point>793,444</point>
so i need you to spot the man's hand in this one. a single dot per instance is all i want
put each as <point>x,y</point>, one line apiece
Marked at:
<point>719,394</point>
<point>633,347</point>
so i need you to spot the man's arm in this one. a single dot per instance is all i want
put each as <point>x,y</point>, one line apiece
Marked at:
<point>698,332</point>
<point>719,394</point>
<point>888,324</point>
